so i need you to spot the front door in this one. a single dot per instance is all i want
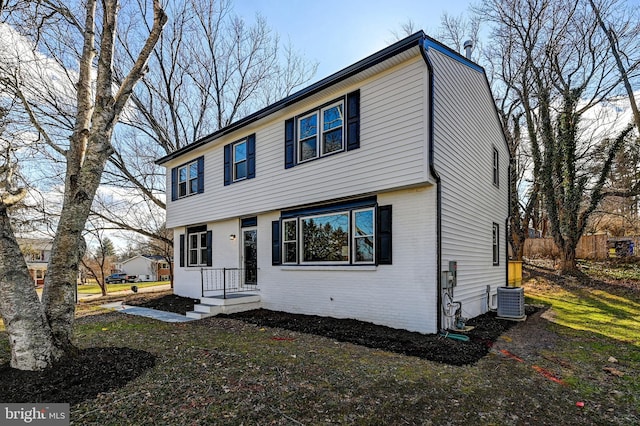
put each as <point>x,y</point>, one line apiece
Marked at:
<point>250,255</point>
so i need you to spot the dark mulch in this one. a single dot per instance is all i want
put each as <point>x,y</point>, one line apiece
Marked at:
<point>437,348</point>
<point>75,378</point>
<point>433,347</point>
<point>97,370</point>
<point>167,303</point>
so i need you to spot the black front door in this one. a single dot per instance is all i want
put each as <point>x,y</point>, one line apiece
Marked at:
<point>250,254</point>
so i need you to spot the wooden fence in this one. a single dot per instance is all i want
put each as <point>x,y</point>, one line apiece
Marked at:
<point>593,247</point>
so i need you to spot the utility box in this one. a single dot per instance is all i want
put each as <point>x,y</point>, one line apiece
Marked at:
<point>450,277</point>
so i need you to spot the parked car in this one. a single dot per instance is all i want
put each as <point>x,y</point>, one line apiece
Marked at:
<point>120,278</point>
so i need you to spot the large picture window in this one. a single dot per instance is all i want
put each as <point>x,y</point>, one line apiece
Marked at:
<point>325,238</point>
<point>342,237</point>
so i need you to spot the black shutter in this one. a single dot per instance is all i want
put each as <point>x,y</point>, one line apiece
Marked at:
<point>289,143</point>
<point>209,248</point>
<point>200,175</point>
<point>227,165</point>
<point>383,236</point>
<point>182,250</point>
<point>353,120</point>
<point>276,252</point>
<point>251,156</point>
<point>174,184</point>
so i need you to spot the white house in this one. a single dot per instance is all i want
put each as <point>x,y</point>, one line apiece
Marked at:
<point>36,252</point>
<point>379,193</point>
<point>146,268</point>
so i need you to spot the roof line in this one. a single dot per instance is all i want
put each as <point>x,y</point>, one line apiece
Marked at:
<point>374,59</point>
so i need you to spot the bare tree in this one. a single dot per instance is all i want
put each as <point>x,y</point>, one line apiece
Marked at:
<point>98,262</point>
<point>623,37</point>
<point>209,69</point>
<point>456,30</point>
<point>96,109</point>
<point>561,75</point>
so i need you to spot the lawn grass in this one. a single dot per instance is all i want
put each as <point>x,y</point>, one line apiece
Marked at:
<point>593,310</point>
<point>223,371</point>
<point>95,288</point>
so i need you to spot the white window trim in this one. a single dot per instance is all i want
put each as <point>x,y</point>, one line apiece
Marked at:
<point>319,135</point>
<point>354,237</point>
<point>202,261</point>
<point>234,162</point>
<point>285,241</point>
<point>320,262</point>
<point>187,182</point>
<point>322,132</point>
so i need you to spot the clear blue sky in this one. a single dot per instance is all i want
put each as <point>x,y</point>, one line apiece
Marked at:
<point>338,33</point>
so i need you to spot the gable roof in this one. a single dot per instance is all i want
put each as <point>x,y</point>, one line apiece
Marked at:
<point>403,45</point>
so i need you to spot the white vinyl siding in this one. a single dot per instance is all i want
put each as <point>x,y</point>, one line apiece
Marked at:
<point>466,119</point>
<point>393,138</point>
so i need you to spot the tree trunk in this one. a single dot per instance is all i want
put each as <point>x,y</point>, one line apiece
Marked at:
<point>30,337</point>
<point>568,259</point>
<point>60,284</point>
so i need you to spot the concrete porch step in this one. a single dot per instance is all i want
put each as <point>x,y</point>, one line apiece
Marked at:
<point>215,305</point>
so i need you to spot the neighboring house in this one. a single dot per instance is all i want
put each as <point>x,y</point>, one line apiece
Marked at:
<point>350,198</point>
<point>146,268</point>
<point>37,253</point>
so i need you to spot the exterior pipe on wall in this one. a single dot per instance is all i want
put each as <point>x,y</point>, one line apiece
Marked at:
<point>436,176</point>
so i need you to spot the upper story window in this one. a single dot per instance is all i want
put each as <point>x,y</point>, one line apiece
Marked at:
<point>329,129</point>
<point>347,234</point>
<point>325,126</point>
<point>240,160</point>
<point>187,179</point>
<point>496,167</point>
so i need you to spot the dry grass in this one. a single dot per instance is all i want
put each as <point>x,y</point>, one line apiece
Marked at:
<point>224,371</point>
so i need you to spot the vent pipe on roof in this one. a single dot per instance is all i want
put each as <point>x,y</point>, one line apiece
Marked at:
<point>468,46</point>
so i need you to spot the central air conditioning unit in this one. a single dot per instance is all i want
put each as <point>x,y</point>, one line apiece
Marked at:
<point>511,303</point>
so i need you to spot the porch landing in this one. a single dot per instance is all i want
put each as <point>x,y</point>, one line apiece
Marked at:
<point>214,305</point>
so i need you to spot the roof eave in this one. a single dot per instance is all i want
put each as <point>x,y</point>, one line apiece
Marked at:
<point>326,82</point>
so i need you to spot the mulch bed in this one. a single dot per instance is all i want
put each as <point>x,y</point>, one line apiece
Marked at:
<point>77,378</point>
<point>433,347</point>
<point>95,370</point>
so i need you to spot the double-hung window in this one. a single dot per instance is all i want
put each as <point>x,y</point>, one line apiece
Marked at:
<point>240,160</point>
<point>328,129</point>
<point>187,179</point>
<point>357,233</point>
<point>321,132</point>
<point>195,247</point>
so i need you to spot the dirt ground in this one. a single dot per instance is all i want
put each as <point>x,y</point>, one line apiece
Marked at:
<point>73,379</point>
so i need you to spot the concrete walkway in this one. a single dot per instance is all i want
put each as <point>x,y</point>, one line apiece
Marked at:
<point>146,312</point>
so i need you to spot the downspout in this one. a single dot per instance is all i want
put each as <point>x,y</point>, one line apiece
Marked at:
<point>436,176</point>
<point>506,225</point>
